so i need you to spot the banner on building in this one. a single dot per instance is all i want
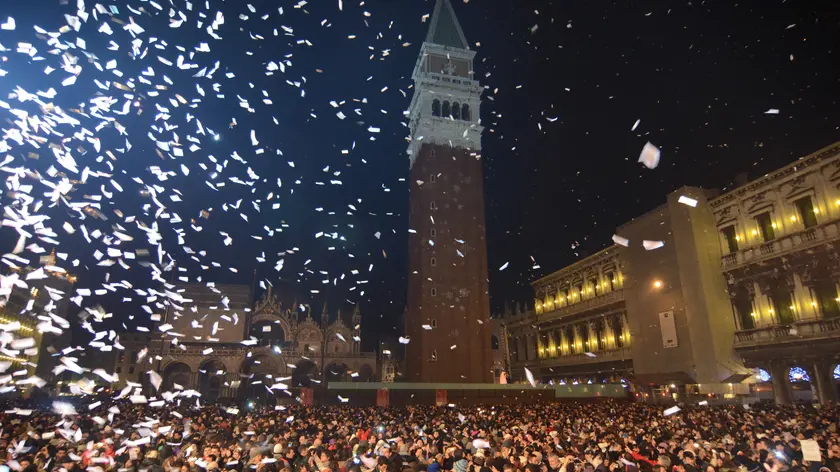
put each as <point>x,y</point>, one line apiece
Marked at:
<point>668,329</point>
<point>307,396</point>
<point>441,398</point>
<point>382,398</point>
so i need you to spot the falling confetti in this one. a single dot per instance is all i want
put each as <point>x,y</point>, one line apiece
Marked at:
<point>651,245</point>
<point>649,156</point>
<point>687,201</point>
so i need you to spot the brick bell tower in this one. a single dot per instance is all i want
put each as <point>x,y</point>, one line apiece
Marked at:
<point>447,280</point>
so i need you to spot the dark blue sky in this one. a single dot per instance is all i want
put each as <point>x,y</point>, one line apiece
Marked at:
<point>699,76</point>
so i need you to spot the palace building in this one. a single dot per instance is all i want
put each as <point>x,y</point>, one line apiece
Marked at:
<point>216,344</point>
<point>448,311</point>
<point>742,298</point>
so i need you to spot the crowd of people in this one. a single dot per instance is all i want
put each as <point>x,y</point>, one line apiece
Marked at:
<point>608,436</point>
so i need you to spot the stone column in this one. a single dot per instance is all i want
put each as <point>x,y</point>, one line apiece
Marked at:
<point>822,378</point>
<point>782,391</point>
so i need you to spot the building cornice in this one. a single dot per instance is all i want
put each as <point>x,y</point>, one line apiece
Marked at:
<point>588,262</point>
<point>797,166</point>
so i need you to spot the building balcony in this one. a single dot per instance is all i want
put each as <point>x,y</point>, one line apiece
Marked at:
<point>798,332</point>
<point>606,299</point>
<point>782,245</point>
<point>619,354</point>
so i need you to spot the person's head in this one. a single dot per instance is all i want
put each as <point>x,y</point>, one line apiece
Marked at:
<point>554,460</point>
<point>664,460</point>
<point>588,467</point>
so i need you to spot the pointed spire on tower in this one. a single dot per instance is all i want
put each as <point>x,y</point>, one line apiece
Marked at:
<point>324,314</point>
<point>445,29</point>
<point>357,317</point>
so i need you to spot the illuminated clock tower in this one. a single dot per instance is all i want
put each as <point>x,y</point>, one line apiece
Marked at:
<point>447,313</point>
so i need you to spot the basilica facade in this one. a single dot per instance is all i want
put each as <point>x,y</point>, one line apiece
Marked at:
<point>279,347</point>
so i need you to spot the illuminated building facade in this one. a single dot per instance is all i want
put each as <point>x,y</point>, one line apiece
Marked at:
<point>780,243</point>
<point>217,345</point>
<point>41,310</point>
<point>745,290</point>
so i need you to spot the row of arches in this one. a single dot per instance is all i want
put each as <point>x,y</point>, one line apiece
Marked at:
<point>456,111</point>
<point>797,374</point>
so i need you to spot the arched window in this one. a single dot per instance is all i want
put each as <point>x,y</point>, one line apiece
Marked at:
<point>432,206</point>
<point>436,107</point>
<point>447,110</point>
<point>434,262</point>
<point>465,112</point>
<point>798,374</point>
<point>456,111</point>
<point>494,342</point>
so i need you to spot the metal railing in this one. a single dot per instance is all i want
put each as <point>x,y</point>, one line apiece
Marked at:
<point>782,245</point>
<point>800,330</point>
<point>586,305</point>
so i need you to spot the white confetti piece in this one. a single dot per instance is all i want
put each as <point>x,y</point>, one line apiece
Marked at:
<point>9,25</point>
<point>636,125</point>
<point>671,411</point>
<point>590,354</point>
<point>481,444</point>
<point>687,201</point>
<point>504,266</point>
<point>530,377</point>
<point>621,241</point>
<point>155,379</point>
<point>649,156</point>
<point>404,340</point>
<point>651,245</point>
<point>772,111</point>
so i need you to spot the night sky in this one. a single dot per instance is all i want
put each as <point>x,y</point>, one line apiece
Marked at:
<point>565,82</point>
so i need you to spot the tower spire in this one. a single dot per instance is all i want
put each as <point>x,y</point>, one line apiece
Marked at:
<point>324,314</point>
<point>445,29</point>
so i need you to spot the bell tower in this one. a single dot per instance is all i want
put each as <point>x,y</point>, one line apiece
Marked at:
<point>447,280</point>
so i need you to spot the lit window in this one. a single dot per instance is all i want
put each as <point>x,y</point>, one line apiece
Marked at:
<point>763,375</point>
<point>765,226</point>
<point>731,238</point>
<point>807,212</point>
